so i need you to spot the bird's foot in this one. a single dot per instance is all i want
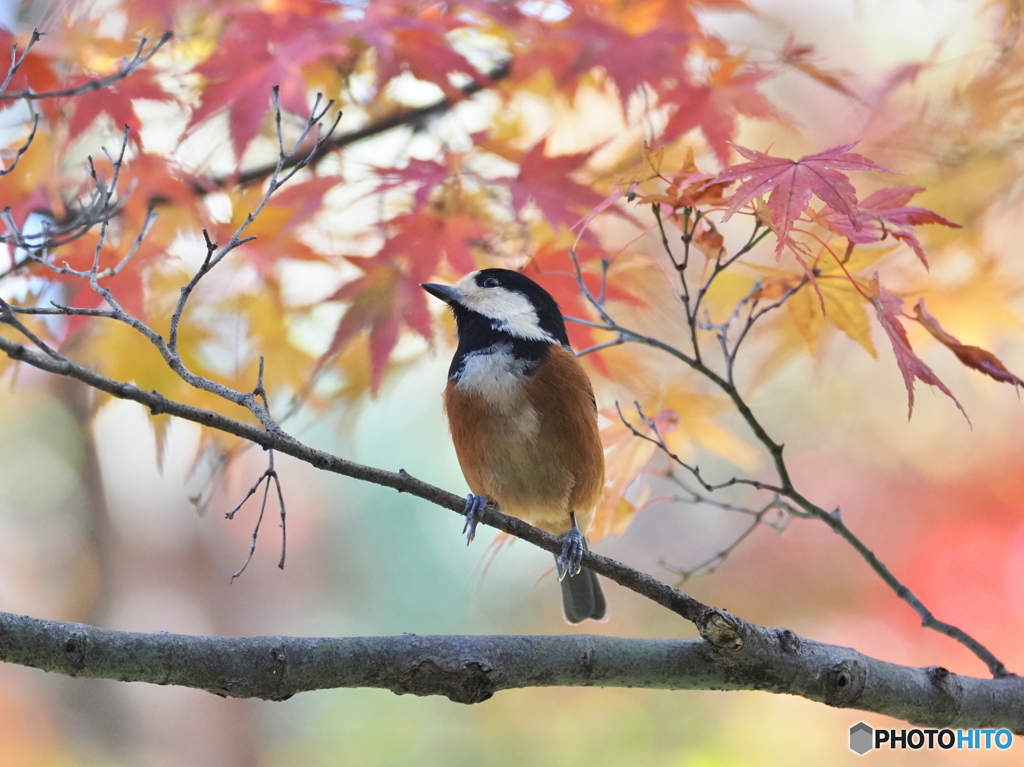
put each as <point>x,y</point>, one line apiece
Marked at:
<point>570,561</point>
<point>474,505</point>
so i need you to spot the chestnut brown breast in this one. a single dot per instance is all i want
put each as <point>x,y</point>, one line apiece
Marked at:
<point>535,449</point>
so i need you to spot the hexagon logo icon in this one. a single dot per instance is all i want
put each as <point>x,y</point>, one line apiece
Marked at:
<point>861,738</point>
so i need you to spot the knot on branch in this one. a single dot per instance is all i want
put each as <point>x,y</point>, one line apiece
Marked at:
<point>74,648</point>
<point>845,683</point>
<point>789,642</point>
<point>721,630</point>
<point>950,688</point>
<point>468,682</point>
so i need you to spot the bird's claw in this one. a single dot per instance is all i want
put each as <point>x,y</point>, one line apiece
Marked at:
<point>570,561</point>
<point>474,505</point>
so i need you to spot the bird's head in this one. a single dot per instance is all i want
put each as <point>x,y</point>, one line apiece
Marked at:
<point>492,304</point>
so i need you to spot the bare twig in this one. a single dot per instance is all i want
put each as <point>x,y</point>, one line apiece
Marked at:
<point>7,317</point>
<point>711,563</point>
<point>269,476</point>
<point>17,61</point>
<point>288,164</point>
<point>128,66</point>
<point>660,443</point>
<point>23,148</point>
<point>255,401</point>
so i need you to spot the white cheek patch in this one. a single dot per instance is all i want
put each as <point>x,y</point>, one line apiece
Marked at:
<point>511,311</point>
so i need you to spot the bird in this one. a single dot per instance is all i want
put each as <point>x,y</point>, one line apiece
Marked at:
<point>523,419</point>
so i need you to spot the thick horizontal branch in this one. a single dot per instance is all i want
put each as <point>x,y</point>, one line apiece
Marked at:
<point>471,669</point>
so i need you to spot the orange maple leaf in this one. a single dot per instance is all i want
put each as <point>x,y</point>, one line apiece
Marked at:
<point>972,356</point>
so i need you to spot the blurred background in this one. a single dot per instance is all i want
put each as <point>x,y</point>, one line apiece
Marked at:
<point>104,521</point>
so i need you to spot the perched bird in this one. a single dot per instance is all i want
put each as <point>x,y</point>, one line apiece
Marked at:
<point>523,418</point>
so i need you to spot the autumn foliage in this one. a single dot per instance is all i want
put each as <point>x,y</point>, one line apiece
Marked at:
<point>737,223</point>
<point>452,153</point>
<point>476,180</point>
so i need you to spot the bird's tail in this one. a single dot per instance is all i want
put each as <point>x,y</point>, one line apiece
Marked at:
<point>582,597</point>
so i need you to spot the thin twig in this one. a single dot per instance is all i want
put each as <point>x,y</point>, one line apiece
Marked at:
<point>264,477</point>
<point>660,443</point>
<point>17,61</point>
<point>23,148</point>
<point>140,58</point>
<point>7,317</point>
<point>711,563</point>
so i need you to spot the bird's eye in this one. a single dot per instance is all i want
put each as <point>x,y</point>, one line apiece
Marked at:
<point>491,282</point>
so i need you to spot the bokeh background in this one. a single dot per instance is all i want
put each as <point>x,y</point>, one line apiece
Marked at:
<point>100,523</point>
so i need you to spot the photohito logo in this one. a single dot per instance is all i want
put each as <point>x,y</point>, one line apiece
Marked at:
<point>864,738</point>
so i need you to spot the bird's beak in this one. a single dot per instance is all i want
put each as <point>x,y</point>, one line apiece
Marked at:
<point>446,293</point>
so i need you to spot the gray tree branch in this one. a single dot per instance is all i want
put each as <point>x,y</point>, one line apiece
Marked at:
<point>471,669</point>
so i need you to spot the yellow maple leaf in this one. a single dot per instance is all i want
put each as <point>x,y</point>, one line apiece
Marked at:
<point>648,168</point>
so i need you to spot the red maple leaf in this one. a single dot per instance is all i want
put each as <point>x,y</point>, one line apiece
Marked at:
<point>714,105</point>
<point>546,182</point>
<point>424,175</point>
<point>380,300</point>
<point>422,238</point>
<point>582,42</point>
<point>415,43</point>
<point>552,267</point>
<point>278,227</point>
<point>799,56</point>
<point>388,295</point>
<point>886,212</point>
<point>117,101</point>
<point>791,183</point>
<point>889,308</point>
<point>274,47</point>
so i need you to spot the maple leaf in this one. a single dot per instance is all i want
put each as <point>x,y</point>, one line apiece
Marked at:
<point>714,105</point>
<point>798,56</point>
<point>686,189</point>
<point>424,175</point>
<point>380,301</point>
<point>274,47</point>
<point>415,42</point>
<point>843,309</point>
<point>546,182</point>
<point>388,295</point>
<point>972,356</point>
<point>582,42</point>
<point>889,308</point>
<point>649,168</point>
<point>886,212</point>
<point>117,101</point>
<point>791,183</point>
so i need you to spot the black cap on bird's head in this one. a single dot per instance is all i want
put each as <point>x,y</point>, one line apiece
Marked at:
<point>500,302</point>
